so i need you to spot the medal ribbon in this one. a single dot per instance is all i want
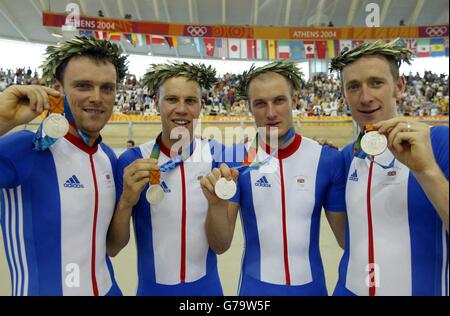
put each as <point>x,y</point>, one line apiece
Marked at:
<point>359,153</point>
<point>41,142</point>
<point>87,139</point>
<point>155,175</point>
<point>248,164</point>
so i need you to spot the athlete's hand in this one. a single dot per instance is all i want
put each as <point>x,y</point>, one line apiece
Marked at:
<point>135,177</point>
<point>21,104</point>
<point>208,182</point>
<point>409,141</point>
<point>325,142</point>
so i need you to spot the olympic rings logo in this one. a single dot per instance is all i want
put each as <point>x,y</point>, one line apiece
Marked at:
<point>435,31</point>
<point>197,31</point>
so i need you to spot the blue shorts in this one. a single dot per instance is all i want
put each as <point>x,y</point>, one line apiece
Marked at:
<point>209,285</point>
<point>341,290</point>
<point>114,291</point>
<point>252,287</point>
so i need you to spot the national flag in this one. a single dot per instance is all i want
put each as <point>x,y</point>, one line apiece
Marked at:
<point>185,40</point>
<point>261,49</point>
<point>144,39</point>
<point>357,43</point>
<point>244,49</point>
<point>411,44</point>
<point>446,46</point>
<point>284,50</point>
<point>437,47</point>
<point>171,40</point>
<point>210,44</point>
<point>148,39</point>
<point>114,36</point>
<point>86,33</point>
<point>234,48</point>
<point>345,45</point>
<point>297,51</point>
<point>321,47</point>
<point>140,39</point>
<point>219,48</point>
<point>309,49</point>
<point>197,45</point>
<point>158,40</point>
<point>131,38</point>
<point>423,48</point>
<point>272,49</point>
<point>222,47</point>
<point>101,35</point>
<point>200,46</point>
<point>251,49</point>
<point>333,48</point>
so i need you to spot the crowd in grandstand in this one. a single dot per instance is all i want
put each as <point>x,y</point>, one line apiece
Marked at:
<point>321,95</point>
<point>18,76</point>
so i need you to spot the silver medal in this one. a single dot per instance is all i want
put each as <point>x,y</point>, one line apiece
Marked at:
<point>55,126</point>
<point>155,194</point>
<point>225,189</point>
<point>373,143</point>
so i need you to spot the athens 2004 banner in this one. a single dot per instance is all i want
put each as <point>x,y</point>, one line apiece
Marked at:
<point>51,19</point>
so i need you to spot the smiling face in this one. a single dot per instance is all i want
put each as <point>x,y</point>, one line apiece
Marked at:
<point>370,89</point>
<point>90,87</point>
<point>179,102</point>
<point>271,99</point>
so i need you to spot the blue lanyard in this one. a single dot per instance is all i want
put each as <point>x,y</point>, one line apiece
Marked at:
<point>249,165</point>
<point>173,163</point>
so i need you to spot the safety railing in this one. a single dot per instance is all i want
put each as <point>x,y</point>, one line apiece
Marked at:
<point>242,122</point>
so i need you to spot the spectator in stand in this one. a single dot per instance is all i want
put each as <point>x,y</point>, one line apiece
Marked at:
<point>130,143</point>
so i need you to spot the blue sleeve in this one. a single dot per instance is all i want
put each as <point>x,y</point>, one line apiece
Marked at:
<point>16,158</point>
<point>347,153</point>
<point>237,196</point>
<point>217,153</point>
<point>113,159</point>
<point>231,155</point>
<point>439,141</point>
<point>234,155</point>
<point>124,160</point>
<point>111,155</point>
<point>334,163</point>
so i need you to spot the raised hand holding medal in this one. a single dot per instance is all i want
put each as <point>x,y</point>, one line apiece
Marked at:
<point>21,104</point>
<point>371,143</point>
<point>409,141</point>
<point>225,189</point>
<point>54,126</point>
<point>220,184</point>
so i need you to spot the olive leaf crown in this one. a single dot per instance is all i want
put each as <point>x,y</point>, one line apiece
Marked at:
<point>287,69</point>
<point>396,49</point>
<point>81,45</point>
<point>159,73</point>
